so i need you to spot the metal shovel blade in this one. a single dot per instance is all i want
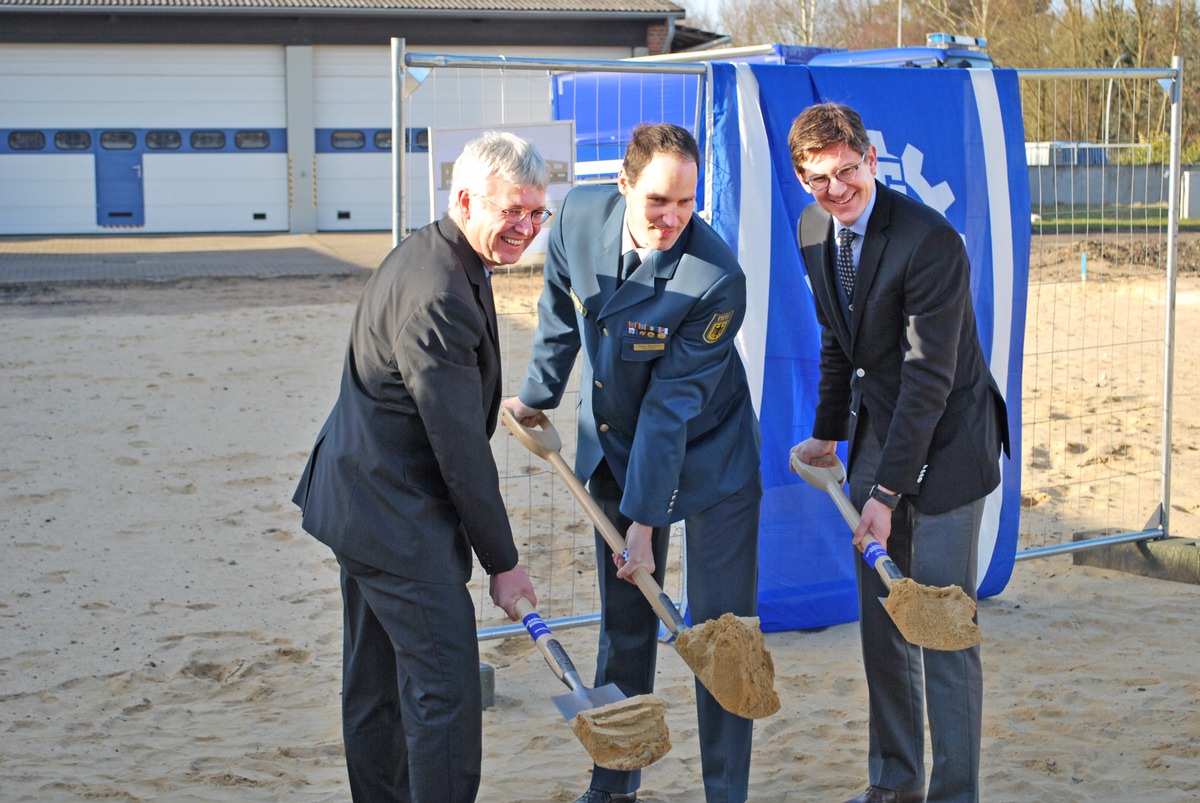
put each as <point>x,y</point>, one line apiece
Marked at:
<point>584,699</point>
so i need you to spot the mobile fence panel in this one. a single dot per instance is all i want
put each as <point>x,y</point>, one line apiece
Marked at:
<point>1103,158</point>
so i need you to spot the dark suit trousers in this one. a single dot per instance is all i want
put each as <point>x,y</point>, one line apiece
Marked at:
<point>412,717</point>
<point>722,574</point>
<point>906,682</point>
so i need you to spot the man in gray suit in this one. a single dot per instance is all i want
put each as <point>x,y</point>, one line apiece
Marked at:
<point>667,430</point>
<point>905,381</point>
<point>401,484</point>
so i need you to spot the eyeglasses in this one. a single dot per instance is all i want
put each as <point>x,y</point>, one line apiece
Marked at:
<point>843,174</point>
<point>537,217</point>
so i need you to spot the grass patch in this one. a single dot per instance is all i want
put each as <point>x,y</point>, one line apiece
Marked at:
<point>1086,220</point>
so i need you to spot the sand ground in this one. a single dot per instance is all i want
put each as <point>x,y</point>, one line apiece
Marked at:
<point>170,633</point>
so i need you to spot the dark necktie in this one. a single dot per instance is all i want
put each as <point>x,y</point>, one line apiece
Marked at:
<point>845,262</point>
<point>629,263</point>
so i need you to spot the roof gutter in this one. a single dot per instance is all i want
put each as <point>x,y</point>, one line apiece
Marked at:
<point>264,11</point>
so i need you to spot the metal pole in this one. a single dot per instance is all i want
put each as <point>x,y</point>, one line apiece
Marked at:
<point>1091,543</point>
<point>899,23</point>
<point>1175,92</point>
<point>398,143</point>
<point>550,65</point>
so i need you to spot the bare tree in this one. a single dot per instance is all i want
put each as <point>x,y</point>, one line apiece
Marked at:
<point>1031,34</point>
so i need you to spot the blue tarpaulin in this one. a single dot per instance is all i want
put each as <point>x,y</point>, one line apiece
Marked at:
<point>953,139</point>
<point>606,106</point>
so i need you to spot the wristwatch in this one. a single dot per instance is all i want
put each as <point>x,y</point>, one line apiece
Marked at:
<point>880,495</point>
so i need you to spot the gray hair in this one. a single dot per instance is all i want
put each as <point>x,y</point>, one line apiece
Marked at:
<point>497,155</point>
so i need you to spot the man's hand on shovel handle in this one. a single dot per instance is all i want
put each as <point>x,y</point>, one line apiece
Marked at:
<point>876,520</point>
<point>508,587</point>
<point>815,452</point>
<point>526,415</point>
<point>639,551</point>
<point>876,516</point>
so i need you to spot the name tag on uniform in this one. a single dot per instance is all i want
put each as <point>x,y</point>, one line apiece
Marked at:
<point>649,346</point>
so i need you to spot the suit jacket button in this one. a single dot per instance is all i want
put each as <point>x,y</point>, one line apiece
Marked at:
<point>599,384</point>
<point>860,373</point>
<point>604,331</point>
<point>604,427</point>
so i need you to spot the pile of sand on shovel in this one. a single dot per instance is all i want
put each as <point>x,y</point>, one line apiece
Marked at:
<point>933,617</point>
<point>627,735</point>
<point>729,657</point>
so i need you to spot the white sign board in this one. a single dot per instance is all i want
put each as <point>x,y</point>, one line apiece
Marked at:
<point>555,140</point>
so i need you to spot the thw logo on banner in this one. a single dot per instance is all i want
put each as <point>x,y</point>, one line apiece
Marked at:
<point>904,172</point>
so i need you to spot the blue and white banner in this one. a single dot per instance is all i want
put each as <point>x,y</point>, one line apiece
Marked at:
<point>952,138</point>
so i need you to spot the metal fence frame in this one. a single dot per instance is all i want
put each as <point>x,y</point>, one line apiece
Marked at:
<point>1170,80</point>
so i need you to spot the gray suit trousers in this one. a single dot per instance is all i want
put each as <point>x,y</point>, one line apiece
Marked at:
<point>906,682</point>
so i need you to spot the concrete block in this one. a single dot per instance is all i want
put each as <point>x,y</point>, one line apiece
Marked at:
<point>1175,559</point>
<point>487,684</point>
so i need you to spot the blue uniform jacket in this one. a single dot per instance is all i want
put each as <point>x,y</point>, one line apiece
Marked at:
<point>663,394</point>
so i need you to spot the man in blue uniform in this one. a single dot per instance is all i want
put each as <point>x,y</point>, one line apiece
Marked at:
<point>667,431</point>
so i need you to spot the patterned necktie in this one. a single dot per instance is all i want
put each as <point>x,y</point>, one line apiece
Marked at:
<point>845,262</point>
<point>629,263</point>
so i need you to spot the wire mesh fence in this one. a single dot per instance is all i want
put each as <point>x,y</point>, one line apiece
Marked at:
<point>552,532</point>
<point>1095,397</point>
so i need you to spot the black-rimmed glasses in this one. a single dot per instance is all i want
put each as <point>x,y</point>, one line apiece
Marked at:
<point>843,174</point>
<point>512,216</point>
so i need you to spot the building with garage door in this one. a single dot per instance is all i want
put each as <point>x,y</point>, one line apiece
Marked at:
<point>163,116</point>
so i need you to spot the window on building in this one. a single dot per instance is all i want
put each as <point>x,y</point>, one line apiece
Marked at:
<point>118,140</point>
<point>163,140</point>
<point>26,140</point>
<point>383,140</point>
<point>72,140</point>
<point>208,140</point>
<point>348,140</point>
<point>252,140</point>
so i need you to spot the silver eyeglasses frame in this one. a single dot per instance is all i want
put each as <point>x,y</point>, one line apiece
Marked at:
<point>843,174</point>
<point>513,216</point>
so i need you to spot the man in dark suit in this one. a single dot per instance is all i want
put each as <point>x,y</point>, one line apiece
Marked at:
<point>905,381</point>
<point>667,430</point>
<point>401,484</point>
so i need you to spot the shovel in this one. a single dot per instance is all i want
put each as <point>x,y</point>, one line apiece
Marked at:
<point>727,655</point>
<point>933,617</point>
<point>619,732</point>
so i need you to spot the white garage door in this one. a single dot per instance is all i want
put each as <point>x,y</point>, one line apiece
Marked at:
<point>142,138</point>
<point>353,110</point>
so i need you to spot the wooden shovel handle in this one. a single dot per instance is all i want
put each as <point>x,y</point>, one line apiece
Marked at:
<point>830,479</point>
<point>546,444</point>
<point>552,651</point>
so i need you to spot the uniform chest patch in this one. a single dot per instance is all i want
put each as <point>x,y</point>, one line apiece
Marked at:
<point>718,326</point>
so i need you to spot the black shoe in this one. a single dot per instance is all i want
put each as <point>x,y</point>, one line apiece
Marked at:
<point>600,796</point>
<point>877,794</point>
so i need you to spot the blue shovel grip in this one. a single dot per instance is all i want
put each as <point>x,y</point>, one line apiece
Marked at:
<point>874,553</point>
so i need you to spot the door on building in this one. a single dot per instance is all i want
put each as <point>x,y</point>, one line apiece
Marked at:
<point>120,194</point>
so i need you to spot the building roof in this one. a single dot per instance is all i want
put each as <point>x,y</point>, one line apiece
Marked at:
<point>651,7</point>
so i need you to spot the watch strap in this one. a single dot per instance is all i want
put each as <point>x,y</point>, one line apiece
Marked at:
<point>880,495</point>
